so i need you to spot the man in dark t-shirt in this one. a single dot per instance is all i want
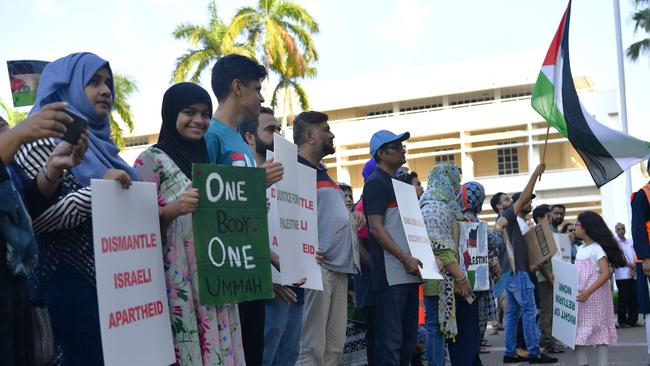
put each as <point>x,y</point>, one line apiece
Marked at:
<point>520,290</point>
<point>395,273</point>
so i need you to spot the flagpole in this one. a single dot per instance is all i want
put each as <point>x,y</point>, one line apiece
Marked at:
<point>621,89</point>
<point>548,129</point>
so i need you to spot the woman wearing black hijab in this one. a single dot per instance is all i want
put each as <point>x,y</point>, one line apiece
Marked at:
<point>203,335</point>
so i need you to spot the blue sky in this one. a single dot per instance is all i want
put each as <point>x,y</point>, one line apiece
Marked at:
<point>356,38</point>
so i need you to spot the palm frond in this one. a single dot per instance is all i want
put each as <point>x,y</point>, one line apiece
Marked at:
<point>281,85</point>
<point>637,48</point>
<point>295,12</point>
<point>302,95</point>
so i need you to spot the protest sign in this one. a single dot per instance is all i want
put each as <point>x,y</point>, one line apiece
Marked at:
<point>414,229</point>
<point>564,246</point>
<point>297,217</point>
<point>131,290</point>
<point>273,225</point>
<point>540,243</point>
<point>473,253</point>
<point>565,305</point>
<point>231,235</point>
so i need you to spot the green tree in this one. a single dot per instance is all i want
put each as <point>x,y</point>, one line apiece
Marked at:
<point>208,46</point>
<point>13,115</point>
<point>289,85</point>
<point>641,18</point>
<point>124,87</point>
<point>280,30</point>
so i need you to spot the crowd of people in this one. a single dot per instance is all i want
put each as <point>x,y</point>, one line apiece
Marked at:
<point>48,278</point>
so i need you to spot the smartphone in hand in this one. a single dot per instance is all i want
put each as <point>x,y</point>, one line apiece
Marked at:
<point>76,128</point>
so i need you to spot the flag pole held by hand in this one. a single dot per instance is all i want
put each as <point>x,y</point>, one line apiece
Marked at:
<point>548,128</point>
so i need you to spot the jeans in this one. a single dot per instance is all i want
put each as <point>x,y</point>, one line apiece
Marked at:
<point>435,341</point>
<point>396,324</point>
<point>369,317</point>
<point>521,304</point>
<point>465,350</point>
<point>282,325</point>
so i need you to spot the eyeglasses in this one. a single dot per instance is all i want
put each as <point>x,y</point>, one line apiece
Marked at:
<point>398,147</point>
<point>571,230</point>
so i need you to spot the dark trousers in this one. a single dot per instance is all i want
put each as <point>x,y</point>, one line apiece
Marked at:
<point>396,324</point>
<point>15,323</point>
<point>628,312</point>
<point>465,350</point>
<point>251,316</point>
<point>74,312</point>
<point>369,317</point>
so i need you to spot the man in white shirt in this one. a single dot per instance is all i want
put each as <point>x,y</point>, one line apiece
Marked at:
<point>627,304</point>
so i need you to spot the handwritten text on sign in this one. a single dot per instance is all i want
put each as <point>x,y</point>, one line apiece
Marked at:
<point>133,310</point>
<point>231,236</point>
<point>565,307</point>
<point>416,233</point>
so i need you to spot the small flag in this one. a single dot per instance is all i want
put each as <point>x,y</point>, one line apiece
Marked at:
<point>606,152</point>
<point>24,76</point>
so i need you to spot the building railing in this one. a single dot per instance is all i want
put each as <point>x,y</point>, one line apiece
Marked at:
<point>447,107</point>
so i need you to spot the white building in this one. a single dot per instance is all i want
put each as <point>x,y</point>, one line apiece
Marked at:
<point>476,114</point>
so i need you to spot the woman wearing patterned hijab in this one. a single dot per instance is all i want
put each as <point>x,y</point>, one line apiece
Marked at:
<point>444,310</point>
<point>472,197</point>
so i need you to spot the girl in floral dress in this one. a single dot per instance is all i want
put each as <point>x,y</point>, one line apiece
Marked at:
<point>595,326</point>
<point>203,335</point>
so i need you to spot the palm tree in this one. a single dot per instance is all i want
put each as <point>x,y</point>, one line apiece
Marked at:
<point>642,20</point>
<point>289,85</point>
<point>124,87</point>
<point>13,115</point>
<point>280,29</point>
<point>208,46</point>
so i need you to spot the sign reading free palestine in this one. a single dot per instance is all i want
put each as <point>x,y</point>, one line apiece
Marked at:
<point>231,234</point>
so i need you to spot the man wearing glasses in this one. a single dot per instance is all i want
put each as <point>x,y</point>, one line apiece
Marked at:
<point>395,273</point>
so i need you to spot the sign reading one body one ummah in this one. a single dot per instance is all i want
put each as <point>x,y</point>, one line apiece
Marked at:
<point>414,229</point>
<point>231,235</point>
<point>565,305</point>
<point>131,290</point>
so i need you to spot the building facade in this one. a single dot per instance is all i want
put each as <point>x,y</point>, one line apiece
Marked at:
<point>475,114</point>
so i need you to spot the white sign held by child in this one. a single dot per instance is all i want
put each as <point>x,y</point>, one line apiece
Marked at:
<point>565,305</point>
<point>131,289</point>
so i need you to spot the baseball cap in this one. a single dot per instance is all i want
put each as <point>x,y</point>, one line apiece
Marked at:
<point>515,197</point>
<point>383,137</point>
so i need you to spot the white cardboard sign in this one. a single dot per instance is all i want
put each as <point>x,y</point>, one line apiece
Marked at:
<point>297,230</point>
<point>131,290</point>
<point>564,245</point>
<point>416,233</point>
<point>565,305</point>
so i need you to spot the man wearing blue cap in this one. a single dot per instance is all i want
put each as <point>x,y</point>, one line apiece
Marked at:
<point>395,273</point>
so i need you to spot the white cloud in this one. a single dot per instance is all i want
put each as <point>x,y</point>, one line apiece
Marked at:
<point>407,25</point>
<point>48,7</point>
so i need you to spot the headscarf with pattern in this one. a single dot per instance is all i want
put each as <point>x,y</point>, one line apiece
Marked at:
<point>442,196</point>
<point>472,197</point>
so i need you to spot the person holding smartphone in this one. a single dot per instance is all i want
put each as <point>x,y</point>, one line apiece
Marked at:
<point>66,274</point>
<point>18,249</point>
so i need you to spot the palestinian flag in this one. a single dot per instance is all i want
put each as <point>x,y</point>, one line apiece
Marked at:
<point>24,76</point>
<point>606,152</point>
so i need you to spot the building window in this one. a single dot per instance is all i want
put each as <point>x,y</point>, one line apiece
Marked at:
<point>447,158</point>
<point>136,141</point>
<point>379,113</point>
<point>508,159</point>
<point>420,107</point>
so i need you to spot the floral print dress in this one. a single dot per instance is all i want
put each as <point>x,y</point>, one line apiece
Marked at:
<point>203,335</point>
